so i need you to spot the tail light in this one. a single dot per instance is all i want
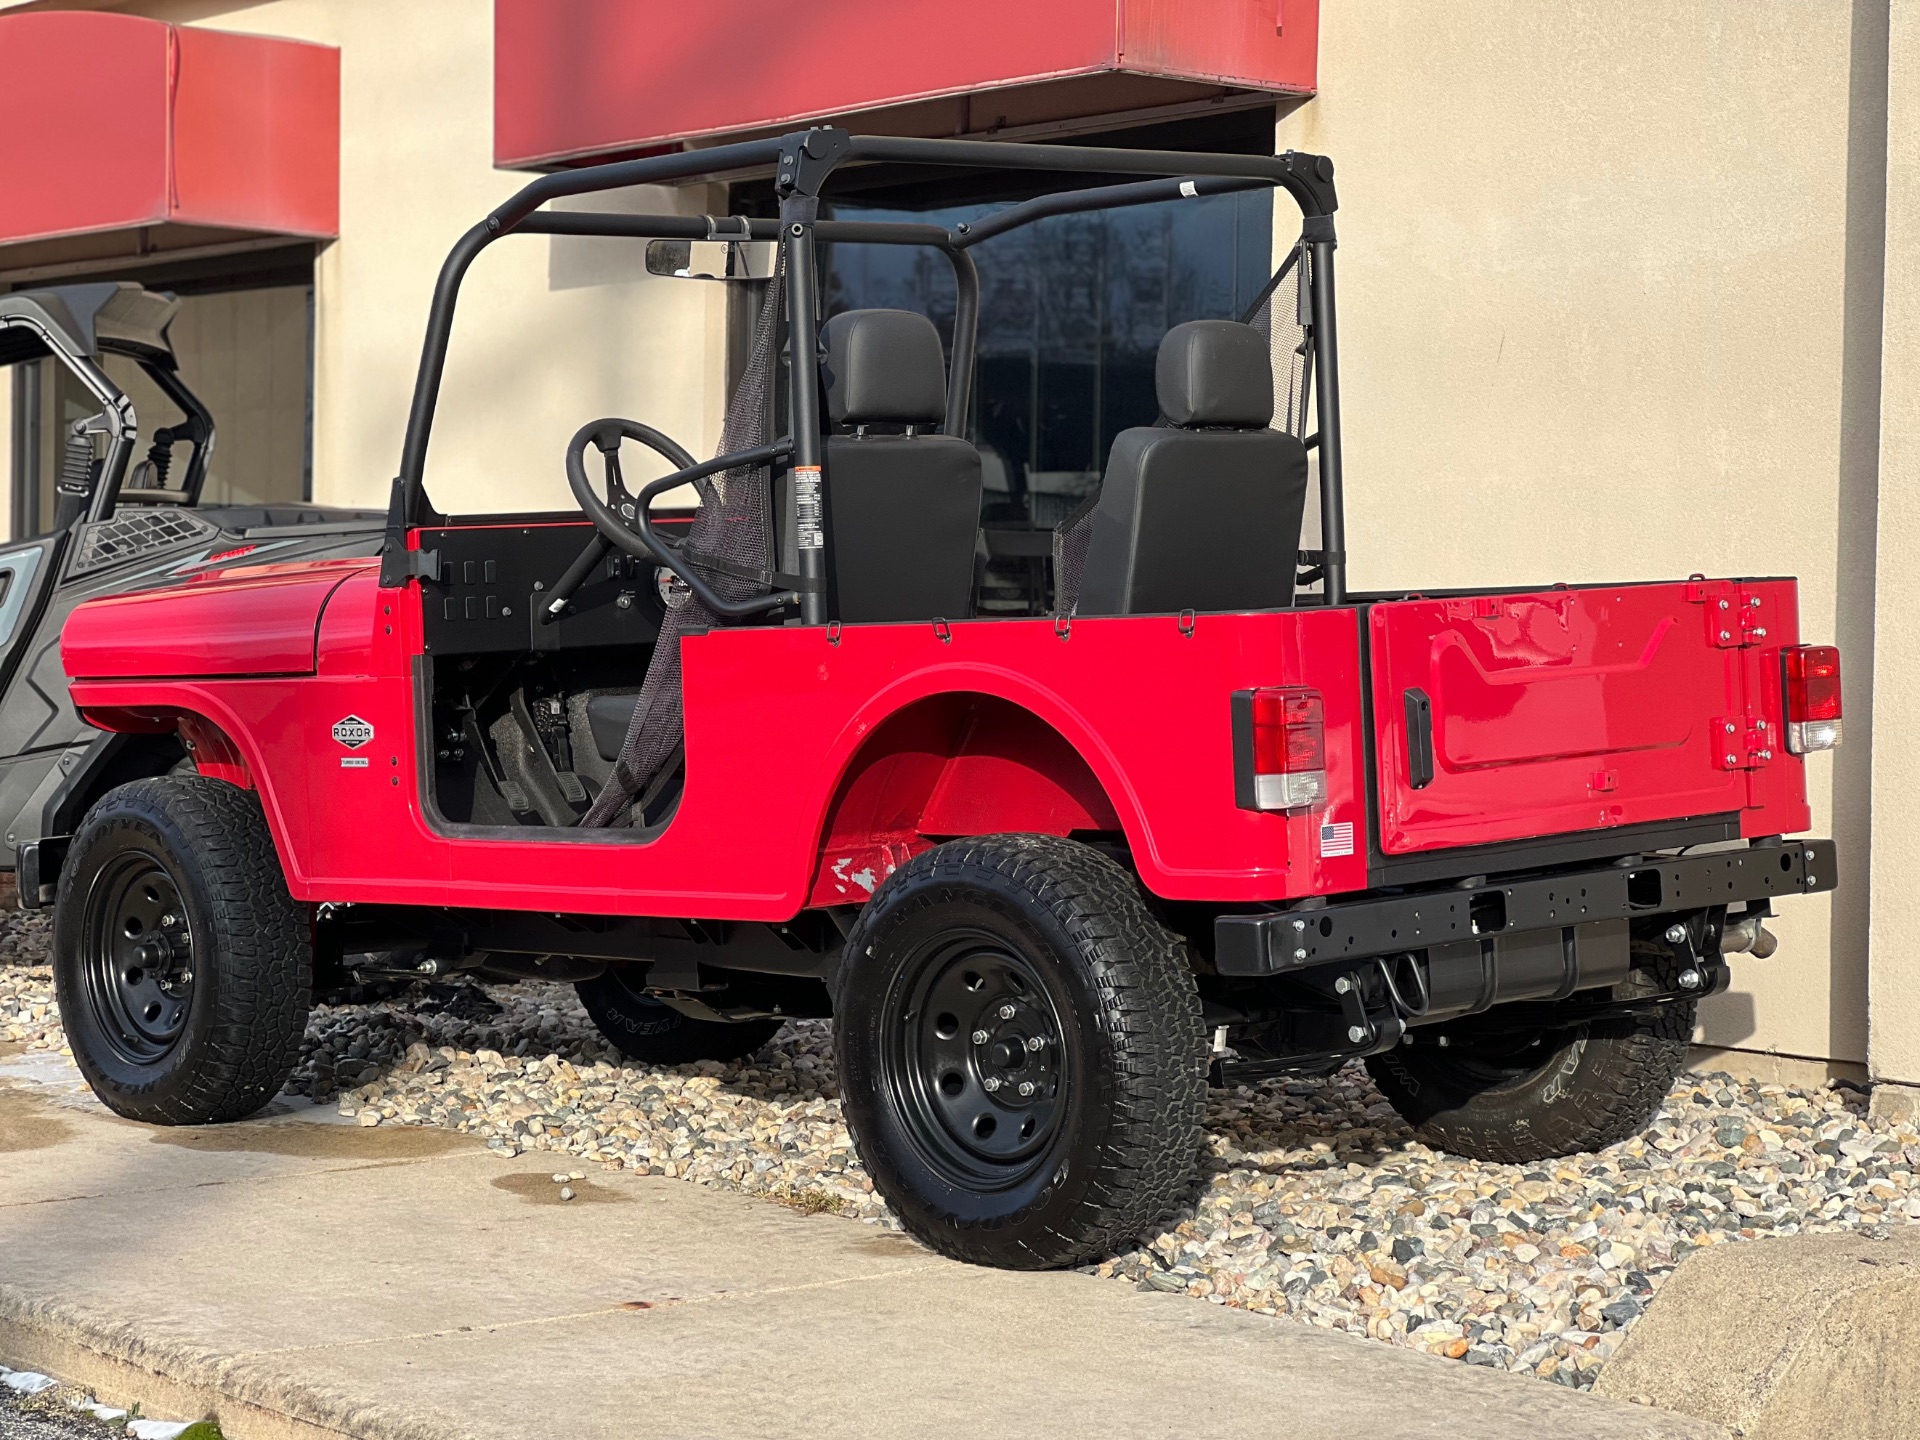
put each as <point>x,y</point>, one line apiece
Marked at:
<point>1280,749</point>
<point>1813,697</point>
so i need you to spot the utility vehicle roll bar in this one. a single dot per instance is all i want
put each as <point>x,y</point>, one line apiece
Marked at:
<point>802,162</point>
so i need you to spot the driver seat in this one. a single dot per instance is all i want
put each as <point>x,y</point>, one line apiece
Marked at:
<point>902,511</point>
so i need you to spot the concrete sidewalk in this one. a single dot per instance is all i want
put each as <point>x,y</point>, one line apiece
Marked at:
<point>304,1279</point>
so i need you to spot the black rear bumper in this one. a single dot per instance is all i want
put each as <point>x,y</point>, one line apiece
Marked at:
<point>1285,941</point>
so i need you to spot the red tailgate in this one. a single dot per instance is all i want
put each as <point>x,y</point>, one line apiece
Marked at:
<point>1568,710</point>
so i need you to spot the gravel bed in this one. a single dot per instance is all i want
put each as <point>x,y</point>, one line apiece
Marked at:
<point>1317,1202</point>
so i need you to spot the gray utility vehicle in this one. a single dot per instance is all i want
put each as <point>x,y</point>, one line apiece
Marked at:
<point>120,523</point>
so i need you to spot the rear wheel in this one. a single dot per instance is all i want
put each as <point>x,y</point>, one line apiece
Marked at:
<point>1515,1097</point>
<point>641,1028</point>
<point>1020,1052</point>
<point>183,966</point>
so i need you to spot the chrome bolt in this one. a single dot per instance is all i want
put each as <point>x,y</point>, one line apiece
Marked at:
<point>1766,754</point>
<point>1689,979</point>
<point>169,920</point>
<point>1444,1041</point>
<point>1760,632</point>
<point>1754,602</point>
<point>1007,1012</point>
<point>1027,1087</point>
<point>990,1084</point>
<point>1037,1043</point>
<point>1729,727</point>
<point>1732,759</point>
<point>1676,933</point>
<point>1342,985</point>
<point>1723,604</point>
<point>1299,924</point>
<point>1300,954</point>
<point>1726,634</point>
<point>979,1037</point>
<point>1356,1033</point>
<point>186,977</point>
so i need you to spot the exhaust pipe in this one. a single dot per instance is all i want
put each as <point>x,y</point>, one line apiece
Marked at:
<point>1748,936</point>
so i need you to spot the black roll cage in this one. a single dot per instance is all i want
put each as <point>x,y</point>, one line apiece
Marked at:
<point>803,161</point>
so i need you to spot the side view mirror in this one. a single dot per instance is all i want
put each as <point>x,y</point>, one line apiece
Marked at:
<point>713,259</point>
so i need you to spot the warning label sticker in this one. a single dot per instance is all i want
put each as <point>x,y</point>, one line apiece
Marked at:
<point>1336,840</point>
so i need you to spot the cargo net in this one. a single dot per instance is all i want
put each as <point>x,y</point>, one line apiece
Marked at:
<point>1283,313</point>
<point>734,530</point>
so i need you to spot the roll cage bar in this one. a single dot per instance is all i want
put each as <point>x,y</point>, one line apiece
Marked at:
<point>77,325</point>
<point>803,161</point>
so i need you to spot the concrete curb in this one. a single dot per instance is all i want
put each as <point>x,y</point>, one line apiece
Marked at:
<point>123,1364</point>
<point>1789,1339</point>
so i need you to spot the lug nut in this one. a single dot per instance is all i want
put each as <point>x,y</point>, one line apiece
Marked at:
<point>1689,979</point>
<point>1007,1012</point>
<point>1676,933</point>
<point>1037,1043</point>
<point>990,1084</point>
<point>1356,1033</point>
<point>979,1037</point>
<point>1027,1087</point>
<point>168,920</point>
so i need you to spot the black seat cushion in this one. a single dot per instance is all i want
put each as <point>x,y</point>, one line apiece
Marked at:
<point>1195,521</point>
<point>903,517</point>
<point>1205,515</point>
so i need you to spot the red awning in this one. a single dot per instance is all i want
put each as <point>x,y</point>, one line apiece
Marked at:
<point>114,123</point>
<point>595,78</point>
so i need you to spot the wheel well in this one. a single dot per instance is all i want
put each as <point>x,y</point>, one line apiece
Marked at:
<point>113,759</point>
<point>947,766</point>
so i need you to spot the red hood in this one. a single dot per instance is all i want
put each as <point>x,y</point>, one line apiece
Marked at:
<point>260,620</point>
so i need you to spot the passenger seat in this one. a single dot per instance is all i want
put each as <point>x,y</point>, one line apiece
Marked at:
<point>1202,513</point>
<point>902,510</point>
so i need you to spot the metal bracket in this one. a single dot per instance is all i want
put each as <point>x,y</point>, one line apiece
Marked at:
<point>1743,742</point>
<point>807,159</point>
<point>1735,615</point>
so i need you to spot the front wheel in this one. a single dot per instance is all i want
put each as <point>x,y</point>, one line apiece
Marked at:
<point>1021,1055</point>
<point>183,966</point>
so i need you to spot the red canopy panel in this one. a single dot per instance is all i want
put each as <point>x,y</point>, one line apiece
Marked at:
<point>114,122</point>
<point>593,78</point>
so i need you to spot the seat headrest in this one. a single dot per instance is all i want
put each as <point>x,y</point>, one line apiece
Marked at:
<point>1215,372</point>
<point>883,366</point>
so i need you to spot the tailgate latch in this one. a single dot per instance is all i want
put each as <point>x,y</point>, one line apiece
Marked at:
<point>1736,616</point>
<point>1741,742</point>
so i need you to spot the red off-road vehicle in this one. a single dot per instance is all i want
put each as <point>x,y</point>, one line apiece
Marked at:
<point>1211,810</point>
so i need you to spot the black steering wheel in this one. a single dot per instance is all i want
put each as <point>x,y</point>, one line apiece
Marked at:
<point>629,529</point>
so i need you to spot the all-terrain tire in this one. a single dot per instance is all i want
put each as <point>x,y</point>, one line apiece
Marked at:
<point>1578,1090</point>
<point>238,949</point>
<point>643,1029</point>
<point>1020,939</point>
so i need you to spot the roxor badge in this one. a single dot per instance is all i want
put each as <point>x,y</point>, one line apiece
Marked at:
<point>352,732</point>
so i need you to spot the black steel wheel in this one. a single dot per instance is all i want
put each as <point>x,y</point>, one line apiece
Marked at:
<point>975,1058</point>
<point>183,966</point>
<point>1020,1050</point>
<point>643,1029</point>
<point>136,957</point>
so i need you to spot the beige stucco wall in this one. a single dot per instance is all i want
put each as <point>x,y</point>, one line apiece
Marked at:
<point>551,332</point>
<point>1894,1041</point>
<point>1595,325</point>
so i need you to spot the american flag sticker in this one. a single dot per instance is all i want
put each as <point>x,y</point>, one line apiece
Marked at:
<point>1336,840</point>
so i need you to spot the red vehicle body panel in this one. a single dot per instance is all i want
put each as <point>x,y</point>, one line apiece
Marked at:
<point>818,759</point>
<point>804,748</point>
<point>1582,709</point>
<point>257,620</point>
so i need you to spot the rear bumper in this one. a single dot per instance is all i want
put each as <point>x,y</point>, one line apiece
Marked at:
<point>1295,940</point>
